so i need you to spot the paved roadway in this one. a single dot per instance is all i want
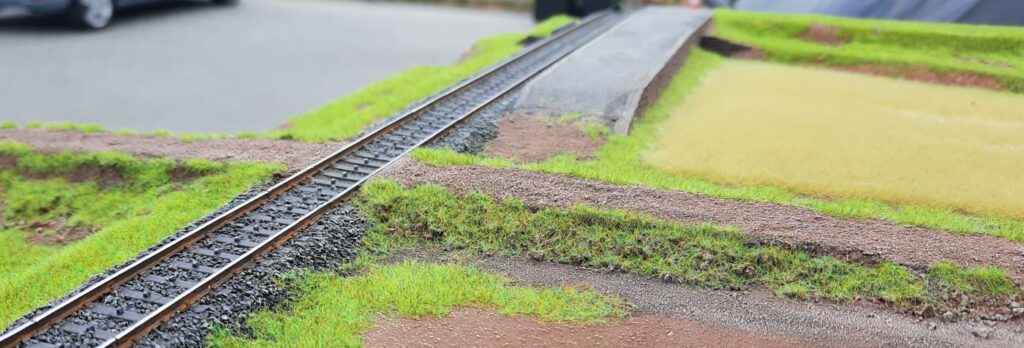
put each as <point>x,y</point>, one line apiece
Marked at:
<point>197,67</point>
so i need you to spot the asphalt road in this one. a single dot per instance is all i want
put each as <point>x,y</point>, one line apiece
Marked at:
<point>197,67</point>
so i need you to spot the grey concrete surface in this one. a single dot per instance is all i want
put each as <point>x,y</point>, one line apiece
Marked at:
<point>606,80</point>
<point>198,67</point>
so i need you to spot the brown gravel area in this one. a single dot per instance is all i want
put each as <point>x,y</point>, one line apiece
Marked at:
<point>922,74</point>
<point>760,313</point>
<point>528,139</point>
<point>823,34</point>
<point>474,327</point>
<point>295,155</point>
<point>863,240</point>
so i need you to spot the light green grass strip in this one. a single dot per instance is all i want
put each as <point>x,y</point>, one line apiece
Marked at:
<point>130,217</point>
<point>620,161</point>
<point>333,311</point>
<point>706,255</point>
<point>996,52</point>
<point>348,116</point>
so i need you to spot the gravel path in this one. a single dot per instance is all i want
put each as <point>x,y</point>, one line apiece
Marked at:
<point>296,155</point>
<point>861,240</point>
<point>815,324</point>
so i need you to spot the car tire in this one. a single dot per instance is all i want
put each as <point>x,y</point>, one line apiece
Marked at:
<point>91,14</point>
<point>225,2</point>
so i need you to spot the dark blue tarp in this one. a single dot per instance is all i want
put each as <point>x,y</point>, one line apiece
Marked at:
<point>1001,12</point>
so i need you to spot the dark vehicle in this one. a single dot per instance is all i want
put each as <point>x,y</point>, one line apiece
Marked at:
<point>91,14</point>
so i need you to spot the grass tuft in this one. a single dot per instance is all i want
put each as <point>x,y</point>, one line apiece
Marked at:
<point>72,126</point>
<point>336,311</point>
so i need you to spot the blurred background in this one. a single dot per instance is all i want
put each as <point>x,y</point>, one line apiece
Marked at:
<point>203,66</point>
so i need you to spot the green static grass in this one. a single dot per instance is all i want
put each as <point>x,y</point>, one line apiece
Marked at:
<point>620,161</point>
<point>128,217</point>
<point>126,131</point>
<point>163,133</point>
<point>84,128</point>
<point>706,255</point>
<point>996,52</point>
<point>189,137</point>
<point>348,116</point>
<point>33,124</point>
<point>8,125</point>
<point>334,311</point>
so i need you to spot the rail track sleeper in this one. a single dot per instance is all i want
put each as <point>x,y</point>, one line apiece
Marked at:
<point>146,296</point>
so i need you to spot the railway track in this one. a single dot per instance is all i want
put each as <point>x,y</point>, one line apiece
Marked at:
<point>120,309</point>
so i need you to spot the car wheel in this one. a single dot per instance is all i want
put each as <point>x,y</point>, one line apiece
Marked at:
<point>91,14</point>
<point>225,2</point>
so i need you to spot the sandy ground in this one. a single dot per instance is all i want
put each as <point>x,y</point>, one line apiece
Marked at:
<point>861,240</point>
<point>528,139</point>
<point>474,327</point>
<point>295,155</point>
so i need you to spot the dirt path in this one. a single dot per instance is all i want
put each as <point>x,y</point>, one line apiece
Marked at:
<point>293,154</point>
<point>760,313</point>
<point>474,327</point>
<point>527,138</point>
<point>856,239</point>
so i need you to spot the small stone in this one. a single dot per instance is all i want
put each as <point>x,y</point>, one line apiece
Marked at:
<point>982,333</point>
<point>925,311</point>
<point>1018,312</point>
<point>948,316</point>
<point>933,326</point>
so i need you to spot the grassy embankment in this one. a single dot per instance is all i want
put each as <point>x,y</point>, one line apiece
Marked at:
<point>709,256</point>
<point>996,52</point>
<point>138,203</point>
<point>337,311</point>
<point>622,160</point>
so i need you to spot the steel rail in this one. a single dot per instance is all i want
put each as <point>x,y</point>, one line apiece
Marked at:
<point>180,302</point>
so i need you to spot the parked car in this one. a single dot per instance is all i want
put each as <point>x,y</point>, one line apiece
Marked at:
<point>90,14</point>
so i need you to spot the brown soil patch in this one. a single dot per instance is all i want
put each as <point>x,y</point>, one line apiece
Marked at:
<point>54,233</point>
<point>823,34</point>
<point>991,63</point>
<point>863,240</point>
<point>295,155</point>
<point>473,327</point>
<point>922,74</point>
<point>103,176</point>
<point>529,139</point>
<point>8,161</point>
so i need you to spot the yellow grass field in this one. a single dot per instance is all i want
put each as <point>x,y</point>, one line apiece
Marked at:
<point>832,133</point>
